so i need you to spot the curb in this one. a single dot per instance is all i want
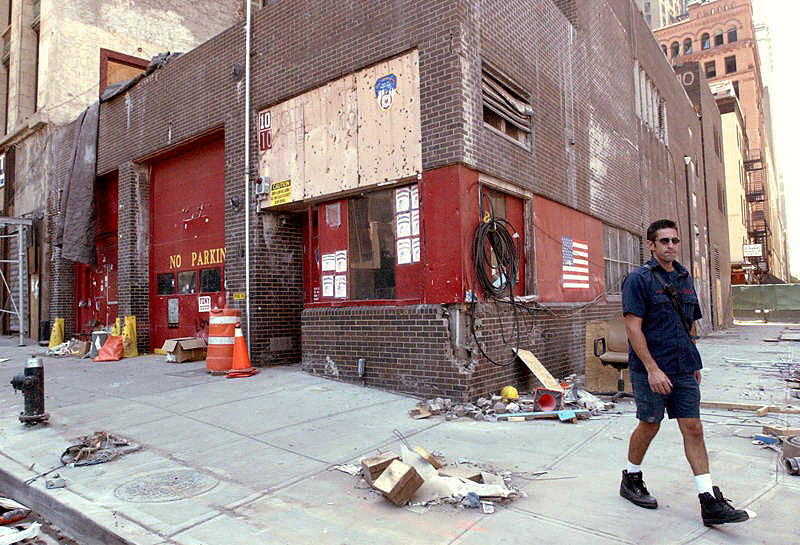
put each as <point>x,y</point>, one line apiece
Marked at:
<point>74,524</point>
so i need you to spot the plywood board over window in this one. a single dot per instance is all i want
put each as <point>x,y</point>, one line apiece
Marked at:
<point>329,122</point>
<point>389,142</point>
<point>355,132</point>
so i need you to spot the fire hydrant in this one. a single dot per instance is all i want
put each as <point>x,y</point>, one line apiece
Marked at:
<point>31,384</point>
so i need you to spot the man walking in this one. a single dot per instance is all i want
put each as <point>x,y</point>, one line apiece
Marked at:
<point>660,306</point>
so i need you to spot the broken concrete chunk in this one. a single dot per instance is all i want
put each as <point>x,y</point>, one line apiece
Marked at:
<point>482,402</point>
<point>450,416</point>
<point>447,404</point>
<point>490,478</point>
<point>373,466</point>
<point>398,482</point>
<point>512,408</point>
<point>434,406</point>
<point>459,410</point>
<point>500,407</point>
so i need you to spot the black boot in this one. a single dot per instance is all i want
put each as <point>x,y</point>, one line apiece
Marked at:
<point>717,510</point>
<point>632,488</point>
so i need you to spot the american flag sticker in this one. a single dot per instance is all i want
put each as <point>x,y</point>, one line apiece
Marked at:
<point>574,264</point>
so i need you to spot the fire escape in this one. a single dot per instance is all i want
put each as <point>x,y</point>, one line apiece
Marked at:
<point>757,208</point>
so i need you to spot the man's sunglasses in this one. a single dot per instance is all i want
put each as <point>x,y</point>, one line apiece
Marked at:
<point>666,240</point>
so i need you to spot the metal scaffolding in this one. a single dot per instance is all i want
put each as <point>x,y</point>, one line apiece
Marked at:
<point>21,261</point>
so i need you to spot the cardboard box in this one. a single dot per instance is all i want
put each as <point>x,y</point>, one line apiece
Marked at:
<point>184,349</point>
<point>374,465</point>
<point>398,482</point>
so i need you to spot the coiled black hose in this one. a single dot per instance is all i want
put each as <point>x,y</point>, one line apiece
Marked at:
<point>496,237</point>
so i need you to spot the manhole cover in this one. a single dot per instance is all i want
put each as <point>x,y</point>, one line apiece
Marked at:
<point>165,486</point>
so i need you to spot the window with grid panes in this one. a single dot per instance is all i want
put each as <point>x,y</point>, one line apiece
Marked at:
<point>621,254</point>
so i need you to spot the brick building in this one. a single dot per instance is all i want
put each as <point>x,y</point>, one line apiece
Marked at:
<point>57,59</point>
<point>383,135</point>
<point>721,37</point>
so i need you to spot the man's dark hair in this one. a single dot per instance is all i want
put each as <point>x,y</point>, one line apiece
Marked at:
<point>657,225</point>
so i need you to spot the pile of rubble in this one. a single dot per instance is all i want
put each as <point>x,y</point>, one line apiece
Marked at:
<point>417,478</point>
<point>496,407</point>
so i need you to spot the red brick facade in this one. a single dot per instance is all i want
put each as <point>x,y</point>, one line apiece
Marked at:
<point>588,152</point>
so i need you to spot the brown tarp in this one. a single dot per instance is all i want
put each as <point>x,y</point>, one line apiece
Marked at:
<point>75,224</point>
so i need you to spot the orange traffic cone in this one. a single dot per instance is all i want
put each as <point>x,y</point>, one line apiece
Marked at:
<point>241,361</point>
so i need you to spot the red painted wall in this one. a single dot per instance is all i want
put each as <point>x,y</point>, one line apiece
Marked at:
<point>552,222</point>
<point>445,229</point>
<point>449,216</point>
<point>187,232</point>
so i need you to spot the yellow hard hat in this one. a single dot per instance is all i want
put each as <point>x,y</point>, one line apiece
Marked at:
<point>509,392</point>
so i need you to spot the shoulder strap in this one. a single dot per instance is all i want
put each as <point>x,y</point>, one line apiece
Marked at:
<point>672,293</point>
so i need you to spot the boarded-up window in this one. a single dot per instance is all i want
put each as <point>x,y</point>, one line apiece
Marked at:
<point>118,67</point>
<point>506,108</point>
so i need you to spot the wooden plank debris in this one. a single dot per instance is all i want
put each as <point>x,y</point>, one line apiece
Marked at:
<point>419,412</point>
<point>564,415</point>
<point>762,411</point>
<point>398,482</point>
<point>780,431</point>
<point>430,458</point>
<point>748,407</point>
<point>462,472</point>
<point>538,370</point>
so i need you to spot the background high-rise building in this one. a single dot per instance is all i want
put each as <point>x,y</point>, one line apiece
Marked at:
<point>721,36</point>
<point>660,13</point>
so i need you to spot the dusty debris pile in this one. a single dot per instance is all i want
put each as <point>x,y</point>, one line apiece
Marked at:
<point>97,448</point>
<point>418,478</point>
<point>571,404</point>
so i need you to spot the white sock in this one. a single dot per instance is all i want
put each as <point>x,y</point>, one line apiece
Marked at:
<point>633,468</point>
<point>703,483</point>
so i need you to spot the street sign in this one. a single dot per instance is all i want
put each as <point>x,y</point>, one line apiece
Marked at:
<point>751,250</point>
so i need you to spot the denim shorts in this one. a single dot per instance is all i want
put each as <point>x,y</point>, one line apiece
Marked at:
<point>682,402</point>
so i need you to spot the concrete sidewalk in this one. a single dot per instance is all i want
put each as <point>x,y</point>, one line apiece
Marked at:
<point>247,461</point>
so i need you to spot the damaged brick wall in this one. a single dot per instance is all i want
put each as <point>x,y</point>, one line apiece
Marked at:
<point>406,349</point>
<point>426,350</point>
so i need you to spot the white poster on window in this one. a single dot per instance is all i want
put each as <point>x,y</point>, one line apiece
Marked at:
<point>402,197</point>
<point>415,251</point>
<point>414,191</point>
<point>403,251</point>
<point>327,286</point>
<point>341,286</point>
<point>415,222</point>
<point>204,303</point>
<point>328,262</point>
<point>403,224</point>
<point>341,261</point>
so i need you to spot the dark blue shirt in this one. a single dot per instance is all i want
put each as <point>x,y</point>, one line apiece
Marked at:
<point>669,344</point>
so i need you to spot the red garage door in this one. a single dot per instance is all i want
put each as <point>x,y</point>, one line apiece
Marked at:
<point>187,243</point>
